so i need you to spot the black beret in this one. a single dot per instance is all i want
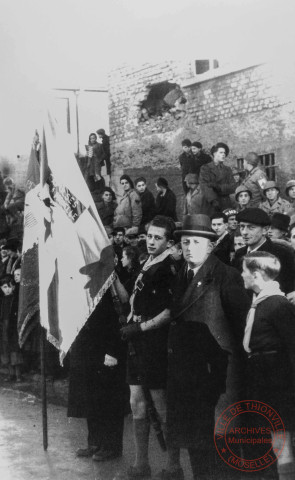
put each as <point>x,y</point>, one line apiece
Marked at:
<point>255,216</point>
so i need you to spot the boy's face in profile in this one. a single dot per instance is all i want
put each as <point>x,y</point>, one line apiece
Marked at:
<point>7,289</point>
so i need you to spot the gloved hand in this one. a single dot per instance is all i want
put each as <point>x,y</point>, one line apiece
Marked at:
<point>130,331</point>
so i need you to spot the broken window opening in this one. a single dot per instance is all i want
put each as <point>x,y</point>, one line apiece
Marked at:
<point>163,98</point>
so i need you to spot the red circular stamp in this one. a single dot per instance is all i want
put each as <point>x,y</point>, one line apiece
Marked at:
<point>245,433</point>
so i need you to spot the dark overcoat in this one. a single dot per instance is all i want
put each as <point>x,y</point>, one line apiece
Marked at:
<point>271,376</point>
<point>96,390</point>
<point>166,204</point>
<point>208,322</point>
<point>224,248</point>
<point>148,206</point>
<point>217,183</point>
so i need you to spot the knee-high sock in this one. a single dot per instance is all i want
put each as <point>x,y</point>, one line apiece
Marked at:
<point>141,429</point>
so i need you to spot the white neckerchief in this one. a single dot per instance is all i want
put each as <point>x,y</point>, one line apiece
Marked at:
<point>270,289</point>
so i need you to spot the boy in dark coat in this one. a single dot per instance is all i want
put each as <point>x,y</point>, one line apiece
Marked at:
<point>147,201</point>
<point>166,200</point>
<point>269,342</point>
<point>148,331</point>
<point>185,161</point>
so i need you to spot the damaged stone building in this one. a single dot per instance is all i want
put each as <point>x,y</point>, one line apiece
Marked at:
<point>153,107</point>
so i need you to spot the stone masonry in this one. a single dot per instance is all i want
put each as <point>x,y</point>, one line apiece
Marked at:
<point>250,109</point>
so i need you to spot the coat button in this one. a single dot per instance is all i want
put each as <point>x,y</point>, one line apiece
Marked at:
<point>170,350</point>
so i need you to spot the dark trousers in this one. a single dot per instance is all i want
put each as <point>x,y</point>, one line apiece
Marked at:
<point>106,433</point>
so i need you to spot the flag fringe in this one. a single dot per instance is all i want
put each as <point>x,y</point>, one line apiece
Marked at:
<point>24,327</point>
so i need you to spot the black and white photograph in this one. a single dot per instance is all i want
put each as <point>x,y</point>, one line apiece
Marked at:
<point>147,240</point>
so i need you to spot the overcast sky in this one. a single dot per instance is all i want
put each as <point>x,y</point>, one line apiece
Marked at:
<point>72,43</point>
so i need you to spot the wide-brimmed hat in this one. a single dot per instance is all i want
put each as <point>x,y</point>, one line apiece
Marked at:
<point>196,225</point>
<point>280,221</point>
<point>257,216</point>
<point>289,184</point>
<point>270,184</point>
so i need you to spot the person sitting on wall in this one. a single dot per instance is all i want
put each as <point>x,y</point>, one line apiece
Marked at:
<point>105,141</point>
<point>147,200</point>
<point>243,197</point>
<point>185,161</point>
<point>95,157</point>
<point>255,178</point>
<point>165,200</point>
<point>216,179</point>
<point>199,158</point>
<point>273,203</point>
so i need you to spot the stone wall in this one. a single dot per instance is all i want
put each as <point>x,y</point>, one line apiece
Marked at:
<point>251,109</point>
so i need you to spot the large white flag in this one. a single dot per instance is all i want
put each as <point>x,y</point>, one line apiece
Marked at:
<point>65,237</point>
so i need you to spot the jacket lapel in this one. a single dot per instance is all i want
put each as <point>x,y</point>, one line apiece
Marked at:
<point>198,286</point>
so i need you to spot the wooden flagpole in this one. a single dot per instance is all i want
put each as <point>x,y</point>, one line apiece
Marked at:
<point>43,389</point>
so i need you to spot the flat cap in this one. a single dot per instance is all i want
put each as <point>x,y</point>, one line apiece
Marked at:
<point>255,216</point>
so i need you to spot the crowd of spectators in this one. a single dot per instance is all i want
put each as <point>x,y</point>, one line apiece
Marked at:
<point>237,215</point>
